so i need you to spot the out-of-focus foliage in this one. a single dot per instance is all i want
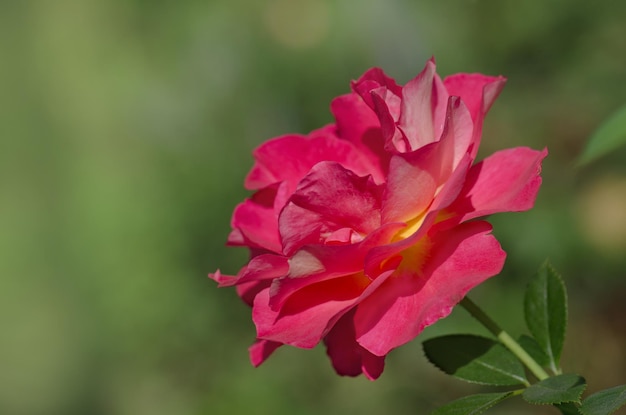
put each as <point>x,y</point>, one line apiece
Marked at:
<point>125,134</point>
<point>609,136</point>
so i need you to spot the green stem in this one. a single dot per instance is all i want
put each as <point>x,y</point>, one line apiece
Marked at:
<point>504,338</point>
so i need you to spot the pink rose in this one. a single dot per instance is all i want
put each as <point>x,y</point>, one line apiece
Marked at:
<point>364,232</point>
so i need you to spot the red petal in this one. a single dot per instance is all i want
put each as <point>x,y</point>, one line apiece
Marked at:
<point>347,356</point>
<point>261,350</point>
<point>265,267</point>
<point>374,78</point>
<point>255,225</point>
<point>424,102</point>
<point>224,280</point>
<point>289,158</point>
<point>357,123</point>
<point>410,300</point>
<point>387,108</point>
<point>415,177</point>
<point>304,319</point>
<point>478,92</point>
<point>249,290</point>
<point>456,136</point>
<point>308,315</point>
<point>316,263</point>
<point>410,186</point>
<point>329,198</point>
<point>507,181</point>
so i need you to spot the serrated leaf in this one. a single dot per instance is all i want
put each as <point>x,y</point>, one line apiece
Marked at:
<point>569,408</point>
<point>545,311</point>
<point>556,390</point>
<point>604,402</point>
<point>473,404</point>
<point>610,135</point>
<point>475,359</point>
<point>534,350</point>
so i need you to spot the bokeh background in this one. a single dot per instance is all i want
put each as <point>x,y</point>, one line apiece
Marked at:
<point>126,131</point>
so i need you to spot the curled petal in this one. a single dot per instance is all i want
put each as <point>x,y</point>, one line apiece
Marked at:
<point>456,136</point>
<point>357,123</point>
<point>247,290</point>
<point>387,107</point>
<point>265,267</point>
<point>478,92</point>
<point>254,223</point>
<point>261,267</point>
<point>372,79</point>
<point>416,177</point>
<point>222,279</point>
<point>329,198</point>
<point>424,102</point>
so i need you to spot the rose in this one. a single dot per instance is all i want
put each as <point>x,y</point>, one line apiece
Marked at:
<point>363,233</point>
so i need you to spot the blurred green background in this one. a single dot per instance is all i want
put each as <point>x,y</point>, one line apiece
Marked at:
<point>126,131</point>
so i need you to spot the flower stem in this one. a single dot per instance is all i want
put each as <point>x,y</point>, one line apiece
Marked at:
<point>504,338</point>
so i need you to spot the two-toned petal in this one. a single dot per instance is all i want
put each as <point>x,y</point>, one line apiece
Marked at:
<point>417,296</point>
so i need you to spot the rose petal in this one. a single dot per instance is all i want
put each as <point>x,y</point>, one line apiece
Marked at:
<point>410,185</point>
<point>457,135</point>
<point>260,267</point>
<point>414,178</point>
<point>410,300</point>
<point>254,223</point>
<point>265,267</point>
<point>289,158</point>
<point>424,102</point>
<point>316,263</point>
<point>347,356</point>
<point>387,108</point>
<point>507,181</point>
<point>310,313</point>
<point>374,78</point>
<point>304,319</point>
<point>478,92</point>
<point>357,123</point>
<point>224,280</point>
<point>261,350</point>
<point>249,290</point>
<point>329,198</point>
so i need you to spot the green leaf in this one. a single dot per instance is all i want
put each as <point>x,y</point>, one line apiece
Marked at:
<point>604,402</point>
<point>568,408</point>
<point>475,359</point>
<point>473,404</point>
<point>556,390</point>
<point>545,310</point>
<point>610,135</point>
<point>534,350</point>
